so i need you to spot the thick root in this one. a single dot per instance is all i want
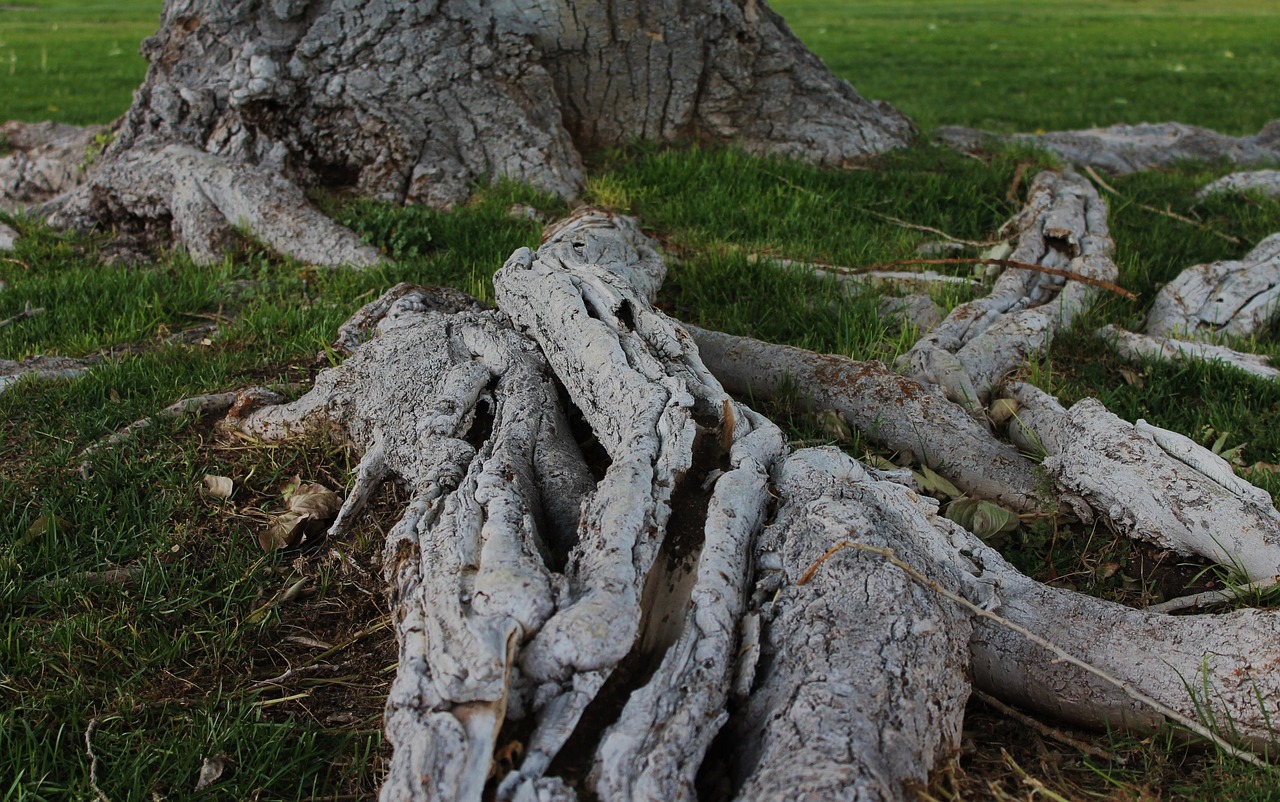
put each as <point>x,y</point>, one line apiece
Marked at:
<point>1063,227</point>
<point>1124,149</point>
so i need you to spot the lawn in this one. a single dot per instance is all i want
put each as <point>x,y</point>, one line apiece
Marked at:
<point>182,662</point>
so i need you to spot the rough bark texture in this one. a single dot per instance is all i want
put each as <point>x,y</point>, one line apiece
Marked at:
<point>1063,226</point>
<point>585,550</point>
<point>1154,484</point>
<point>1238,298</point>
<point>854,694</point>
<point>1123,149</point>
<point>43,161</point>
<point>1211,302</point>
<point>1265,181</point>
<point>248,104</point>
<point>1139,347</point>
<point>920,421</point>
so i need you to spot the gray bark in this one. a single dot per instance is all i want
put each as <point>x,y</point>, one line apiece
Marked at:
<point>629,602</point>
<point>43,161</point>
<point>1124,149</point>
<point>1266,182</point>
<point>1207,303</point>
<point>422,102</point>
<point>1064,227</point>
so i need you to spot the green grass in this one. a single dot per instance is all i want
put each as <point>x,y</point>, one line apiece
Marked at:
<point>1041,64</point>
<point>167,664</point>
<point>75,62</point>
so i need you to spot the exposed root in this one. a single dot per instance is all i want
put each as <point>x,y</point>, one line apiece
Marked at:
<point>209,404</point>
<point>204,198</point>
<point>893,411</point>
<point>1266,182</point>
<point>1138,347</point>
<point>1155,485</point>
<point>1238,298</point>
<point>1122,149</point>
<point>1063,228</point>
<point>45,160</point>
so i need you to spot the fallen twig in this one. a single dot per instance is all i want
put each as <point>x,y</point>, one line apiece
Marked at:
<point>897,221</point>
<point>1062,654</point>
<point>28,311</point>
<point>1166,212</point>
<point>1018,175</point>
<point>1046,730</point>
<point>1208,597</point>
<point>1053,271</point>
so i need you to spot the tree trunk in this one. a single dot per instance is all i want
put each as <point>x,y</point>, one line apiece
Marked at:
<point>248,104</point>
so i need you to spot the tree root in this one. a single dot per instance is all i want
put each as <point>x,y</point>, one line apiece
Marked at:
<point>923,422</point>
<point>45,160</point>
<point>574,556</point>
<point>1062,227</point>
<point>206,197</point>
<point>1208,302</point>
<point>1122,149</point>
<point>1266,182</point>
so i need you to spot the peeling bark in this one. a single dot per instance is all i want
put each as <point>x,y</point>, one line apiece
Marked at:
<point>1237,298</point>
<point>1062,226</point>
<point>1122,149</point>
<point>1210,302</point>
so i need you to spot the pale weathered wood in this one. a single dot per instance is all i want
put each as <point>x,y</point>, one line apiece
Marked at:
<point>1267,182</point>
<point>1063,226</point>
<point>893,411</point>
<point>1124,149</point>
<point>1237,298</point>
<point>1138,347</point>
<point>607,600</point>
<point>1154,485</point>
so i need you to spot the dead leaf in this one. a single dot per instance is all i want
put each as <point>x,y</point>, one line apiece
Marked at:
<point>1132,377</point>
<point>314,500</point>
<point>311,507</point>
<point>220,487</point>
<point>286,530</point>
<point>211,771</point>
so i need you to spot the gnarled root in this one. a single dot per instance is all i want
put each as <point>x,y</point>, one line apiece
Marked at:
<point>1064,227</point>
<point>204,198</point>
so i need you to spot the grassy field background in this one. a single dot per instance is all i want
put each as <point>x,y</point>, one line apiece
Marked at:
<point>183,663</point>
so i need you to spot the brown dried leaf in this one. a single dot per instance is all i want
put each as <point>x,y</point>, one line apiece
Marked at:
<point>286,530</point>
<point>315,501</point>
<point>1132,377</point>
<point>220,487</point>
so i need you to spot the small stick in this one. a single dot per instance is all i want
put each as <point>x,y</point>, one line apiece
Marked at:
<point>1053,271</point>
<point>1098,180</point>
<point>1063,655</point>
<point>1046,730</point>
<point>888,218</point>
<point>298,672</point>
<point>93,759</point>
<point>1018,174</point>
<point>1208,597</point>
<point>1202,226</point>
<point>1166,212</point>
<point>28,311</point>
